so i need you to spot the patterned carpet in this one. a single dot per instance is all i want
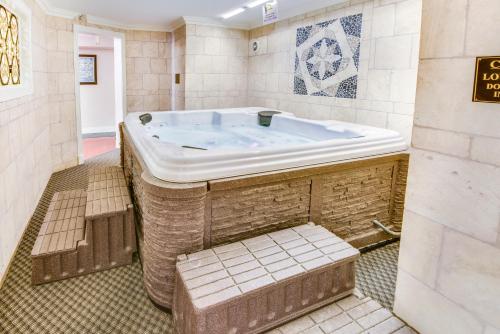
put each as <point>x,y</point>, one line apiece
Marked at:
<point>115,301</point>
<point>376,273</point>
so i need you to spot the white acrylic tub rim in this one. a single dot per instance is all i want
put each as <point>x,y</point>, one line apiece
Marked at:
<point>173,163</point>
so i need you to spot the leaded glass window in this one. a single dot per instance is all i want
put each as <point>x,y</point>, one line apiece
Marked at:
<point>10,72</point>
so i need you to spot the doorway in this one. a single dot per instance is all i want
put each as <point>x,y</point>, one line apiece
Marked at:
<point>100,96</point>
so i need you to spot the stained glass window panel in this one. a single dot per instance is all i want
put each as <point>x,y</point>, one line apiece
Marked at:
<point>10,72</point>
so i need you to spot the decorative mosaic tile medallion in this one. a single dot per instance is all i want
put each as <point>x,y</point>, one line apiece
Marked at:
<point>327,58</point>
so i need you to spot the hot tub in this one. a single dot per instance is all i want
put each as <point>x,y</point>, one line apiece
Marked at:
<point>192,146</point>
<point>205,178</point>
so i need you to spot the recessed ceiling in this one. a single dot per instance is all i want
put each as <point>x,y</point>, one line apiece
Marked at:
<point>163,14</point>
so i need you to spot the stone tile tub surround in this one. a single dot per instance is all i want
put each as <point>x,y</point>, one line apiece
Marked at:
<point>387,68</point>
<point>450,246</point>
<point>344,197</point>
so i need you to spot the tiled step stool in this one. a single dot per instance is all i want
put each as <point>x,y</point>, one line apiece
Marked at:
<point>110,219</point>
<point>259,283</point>
<point>55,255</point>
<point>86,231</point>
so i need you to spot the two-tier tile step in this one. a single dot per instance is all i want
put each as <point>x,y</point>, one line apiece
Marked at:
<point>86,231</point>
<point>259,283</point>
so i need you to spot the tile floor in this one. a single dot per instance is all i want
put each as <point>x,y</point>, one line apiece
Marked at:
<point>352,315</point>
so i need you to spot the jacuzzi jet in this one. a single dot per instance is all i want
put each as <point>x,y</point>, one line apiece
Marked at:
<point>265,117</point>
<point>145,118</point>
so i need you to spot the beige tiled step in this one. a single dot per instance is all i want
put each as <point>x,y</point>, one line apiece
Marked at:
<point>86,231</point>
<point>107,193</point>
<point>63,225</point>
<point>259,283</point>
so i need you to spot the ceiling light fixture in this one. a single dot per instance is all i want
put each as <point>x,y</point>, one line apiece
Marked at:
<point>240,10</point>
<point>233,13</point>
<point>256,3</point>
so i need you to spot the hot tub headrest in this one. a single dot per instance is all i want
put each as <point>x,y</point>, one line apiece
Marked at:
<point>265,117</point>
<point>145,118</point>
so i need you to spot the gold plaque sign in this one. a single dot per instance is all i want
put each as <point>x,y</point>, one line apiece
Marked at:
<point>487,80</point>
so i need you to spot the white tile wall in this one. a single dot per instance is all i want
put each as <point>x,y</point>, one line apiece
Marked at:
<point>149,74</point>
<point>25,144</point>
<point>449,273</point>
<point>387,75</point>
<point>486,150</point>
<point>216,67</point>
<point>431,312</point>
<point>180,64</point>
<point>450,25</point>
<point>482,28</point>
<point>421,243</point>
<point>383,21</point>
<point>470,275</point>
<point>61,92</point>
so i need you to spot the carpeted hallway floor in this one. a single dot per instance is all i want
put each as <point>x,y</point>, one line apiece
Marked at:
<point>115,301</point>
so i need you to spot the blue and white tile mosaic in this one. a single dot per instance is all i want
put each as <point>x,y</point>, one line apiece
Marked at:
<point>327,58</point>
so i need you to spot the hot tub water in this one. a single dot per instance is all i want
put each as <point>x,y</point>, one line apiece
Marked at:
<point>215,135</point>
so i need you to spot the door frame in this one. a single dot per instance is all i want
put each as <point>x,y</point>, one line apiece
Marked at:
<point>78,29</point>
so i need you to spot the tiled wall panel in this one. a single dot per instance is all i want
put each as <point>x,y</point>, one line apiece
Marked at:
<point>25,146</point>
<point>149,74</point>
<point>216,67</point>
<point>450,246</point>
<point>179,68</point>
<point>387,66</point>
